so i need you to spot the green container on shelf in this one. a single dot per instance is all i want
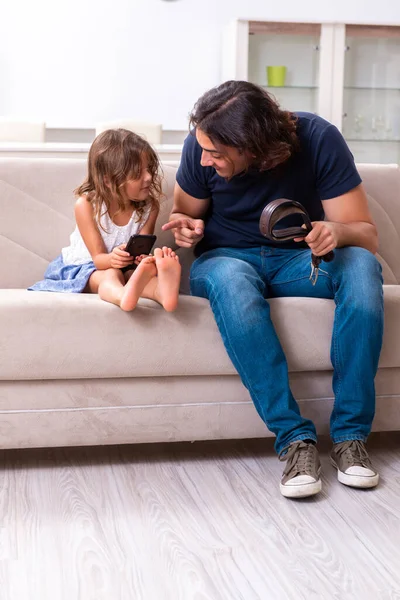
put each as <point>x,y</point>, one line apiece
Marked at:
<point>276,76</point>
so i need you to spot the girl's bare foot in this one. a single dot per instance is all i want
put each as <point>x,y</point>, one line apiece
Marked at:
<point>168,276</point>
<point>137,282</point>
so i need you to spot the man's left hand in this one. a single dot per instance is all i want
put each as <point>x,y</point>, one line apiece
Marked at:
<point>323,238</point>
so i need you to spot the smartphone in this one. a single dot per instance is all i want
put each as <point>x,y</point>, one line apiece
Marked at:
<point>140,244</point>
<point>137,245</point>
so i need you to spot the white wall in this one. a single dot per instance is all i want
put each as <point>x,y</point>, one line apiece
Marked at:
<point>76,62</point>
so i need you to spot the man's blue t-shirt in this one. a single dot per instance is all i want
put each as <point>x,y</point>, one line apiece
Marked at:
<point>323,168</point>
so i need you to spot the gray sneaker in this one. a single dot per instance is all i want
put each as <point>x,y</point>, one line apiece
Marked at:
<point>301,477</point>
<point>353,464</point>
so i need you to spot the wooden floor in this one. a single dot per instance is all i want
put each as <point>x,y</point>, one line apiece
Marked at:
<point>200,521</point>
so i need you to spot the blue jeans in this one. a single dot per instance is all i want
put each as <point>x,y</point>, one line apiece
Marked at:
<point>237,282</point>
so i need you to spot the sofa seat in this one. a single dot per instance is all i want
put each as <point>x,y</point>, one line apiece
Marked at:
<point>78,336</point>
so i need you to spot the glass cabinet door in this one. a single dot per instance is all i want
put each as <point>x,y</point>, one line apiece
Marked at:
<point>371,95</point>
<point>284,58</point>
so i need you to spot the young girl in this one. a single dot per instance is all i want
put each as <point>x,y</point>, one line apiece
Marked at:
<point>119,198</point>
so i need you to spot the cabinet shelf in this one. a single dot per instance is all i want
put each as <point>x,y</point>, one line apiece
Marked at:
<point>271,88</point>
<point>371,140</point>
<point>371,89</point>
<point>314,87</point>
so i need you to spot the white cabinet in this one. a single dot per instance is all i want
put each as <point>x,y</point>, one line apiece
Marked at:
<point>348,74</point>
<point>371,92</point>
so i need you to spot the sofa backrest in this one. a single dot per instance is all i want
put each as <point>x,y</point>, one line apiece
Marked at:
<point>382,184</point>
<point>36,214</point>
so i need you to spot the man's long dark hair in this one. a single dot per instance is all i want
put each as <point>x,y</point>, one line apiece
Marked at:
<point>243,115</point>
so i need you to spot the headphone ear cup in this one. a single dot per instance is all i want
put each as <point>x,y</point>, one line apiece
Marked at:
<point>328,257</point>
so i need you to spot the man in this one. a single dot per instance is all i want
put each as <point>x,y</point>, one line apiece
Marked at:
<point>243,152</point>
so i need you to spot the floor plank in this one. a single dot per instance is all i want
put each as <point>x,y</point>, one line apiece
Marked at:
<point>201,521</point>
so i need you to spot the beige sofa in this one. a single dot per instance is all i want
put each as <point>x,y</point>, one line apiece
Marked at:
<point>75,370</point>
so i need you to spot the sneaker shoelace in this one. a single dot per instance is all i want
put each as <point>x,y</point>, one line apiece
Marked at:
<point>354,454</point>
<point>300,459</point>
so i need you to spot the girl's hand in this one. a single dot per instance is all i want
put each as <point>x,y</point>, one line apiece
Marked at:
<point>138,259</point>
<point>119,258</point>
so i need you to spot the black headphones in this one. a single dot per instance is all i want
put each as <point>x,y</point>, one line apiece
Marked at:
<point>277,210</point>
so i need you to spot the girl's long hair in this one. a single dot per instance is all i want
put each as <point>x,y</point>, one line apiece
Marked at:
<point>116,156</point>
<point>242,115</point>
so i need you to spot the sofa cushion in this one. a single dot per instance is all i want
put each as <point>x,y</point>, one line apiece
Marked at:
<point>60,336</point>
